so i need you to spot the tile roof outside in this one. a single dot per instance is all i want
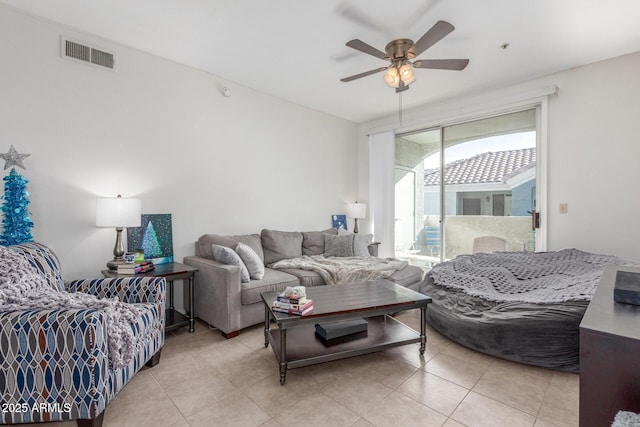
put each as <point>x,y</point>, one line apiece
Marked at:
<point>483,168</point>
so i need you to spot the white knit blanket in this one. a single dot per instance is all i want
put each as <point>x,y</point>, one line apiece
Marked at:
<point>23,289</point>
<point>539,278</point>
<point>335,270</point>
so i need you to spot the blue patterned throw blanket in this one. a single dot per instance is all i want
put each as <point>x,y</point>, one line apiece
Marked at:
<point>23,289</point>
<point>539,278</point>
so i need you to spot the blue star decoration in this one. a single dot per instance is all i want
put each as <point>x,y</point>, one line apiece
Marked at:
<point>14,158</point>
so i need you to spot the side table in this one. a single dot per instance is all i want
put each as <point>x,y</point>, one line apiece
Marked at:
<point>171,271</point>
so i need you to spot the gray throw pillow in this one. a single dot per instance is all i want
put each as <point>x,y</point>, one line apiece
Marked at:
<point>227,255</point>
<point>361,244</point>
<point>313,241</point>
<point>251,260</point>
<point>203,245</point>
<point>338,246</point>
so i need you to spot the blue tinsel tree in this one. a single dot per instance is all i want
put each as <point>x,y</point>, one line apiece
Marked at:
<point>16,220</point>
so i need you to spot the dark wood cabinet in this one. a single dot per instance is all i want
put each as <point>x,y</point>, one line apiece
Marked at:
<point>609,355</point>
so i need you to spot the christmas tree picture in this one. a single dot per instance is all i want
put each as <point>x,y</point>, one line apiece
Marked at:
<point>154,237</point>
<point>150,242</point>
<point>16,219</point>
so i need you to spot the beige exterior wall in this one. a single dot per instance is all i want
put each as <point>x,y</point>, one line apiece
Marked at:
<point>460,232</point>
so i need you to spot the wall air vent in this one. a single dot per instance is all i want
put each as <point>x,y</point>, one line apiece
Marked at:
<point>76,51</point>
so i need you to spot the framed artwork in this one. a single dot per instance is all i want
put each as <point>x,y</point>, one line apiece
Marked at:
<point>153,237</point>
<point>339,221</point>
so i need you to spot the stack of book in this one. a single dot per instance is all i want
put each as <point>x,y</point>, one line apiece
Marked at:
<point>292,305</point>
<point>136,267</point>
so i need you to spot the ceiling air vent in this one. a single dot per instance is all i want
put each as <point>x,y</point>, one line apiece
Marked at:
<point>81,52</point>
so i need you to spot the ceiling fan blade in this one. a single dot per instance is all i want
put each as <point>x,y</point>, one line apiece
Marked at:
<point>358,16</point>
<point>420,13</point>
<point>365,74</point>
<point>431,37</point>
<point>368,49</point>
<point>441,64</point>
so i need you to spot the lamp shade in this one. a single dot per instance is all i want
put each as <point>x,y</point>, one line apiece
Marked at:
<point>391,77</point>
<point>406,75</point>
<point>357,210</point>
<point>118,212</point>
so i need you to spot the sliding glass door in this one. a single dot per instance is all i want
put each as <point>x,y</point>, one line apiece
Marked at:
<point>481,200</point>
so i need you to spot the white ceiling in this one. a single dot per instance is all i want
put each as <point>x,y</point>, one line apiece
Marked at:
<point>296,49</point>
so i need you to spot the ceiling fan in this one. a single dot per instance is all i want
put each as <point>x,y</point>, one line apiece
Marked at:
<point>400,52</point>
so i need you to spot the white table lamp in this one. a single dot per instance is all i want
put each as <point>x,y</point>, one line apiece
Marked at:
<point>356,211</point>
<point>117,212</point>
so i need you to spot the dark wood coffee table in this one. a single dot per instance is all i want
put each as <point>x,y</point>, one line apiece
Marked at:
<point>294,342</point>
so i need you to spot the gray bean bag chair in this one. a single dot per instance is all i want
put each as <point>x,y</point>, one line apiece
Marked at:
<point>519,306</point>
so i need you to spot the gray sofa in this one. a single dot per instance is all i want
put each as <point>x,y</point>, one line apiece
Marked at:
<point>223,301</point>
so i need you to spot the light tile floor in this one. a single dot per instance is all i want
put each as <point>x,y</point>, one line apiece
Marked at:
<point>206,380</point>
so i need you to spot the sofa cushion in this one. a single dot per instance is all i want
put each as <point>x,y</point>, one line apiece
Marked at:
<point>307,278</point>
<point>251,260</point>
<point>273,280</point>
<point>43,260</point>
<point>203,245</point>
<point>407,276</point>
<point>313,241</point>
<point>279,245</point>
<point>338,246</point>
<point>228,256</point>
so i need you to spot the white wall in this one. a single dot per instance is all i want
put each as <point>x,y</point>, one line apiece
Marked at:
<point>593,146</point>
<point>162,132</point>
<point>594,153</point>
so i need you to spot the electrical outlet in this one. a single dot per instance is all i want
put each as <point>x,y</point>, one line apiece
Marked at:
<point>563,208</point>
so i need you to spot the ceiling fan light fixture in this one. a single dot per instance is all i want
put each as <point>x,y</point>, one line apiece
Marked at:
<point>400,52</point>
<point>391,77</point>
<point>406,74</point>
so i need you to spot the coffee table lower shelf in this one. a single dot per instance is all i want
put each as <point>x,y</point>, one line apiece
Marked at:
<point>302,348</point>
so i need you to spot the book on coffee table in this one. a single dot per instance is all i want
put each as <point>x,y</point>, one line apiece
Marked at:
<point>295,312</point>
<point>292,306</point>
<point>338,332</point>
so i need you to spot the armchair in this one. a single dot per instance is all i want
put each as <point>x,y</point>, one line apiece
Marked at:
<point>54,363</point>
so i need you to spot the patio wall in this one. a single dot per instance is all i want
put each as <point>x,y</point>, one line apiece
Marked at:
<point>461,230</point>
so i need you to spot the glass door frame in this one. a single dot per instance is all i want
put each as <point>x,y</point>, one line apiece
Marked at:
<point>541,108</point>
